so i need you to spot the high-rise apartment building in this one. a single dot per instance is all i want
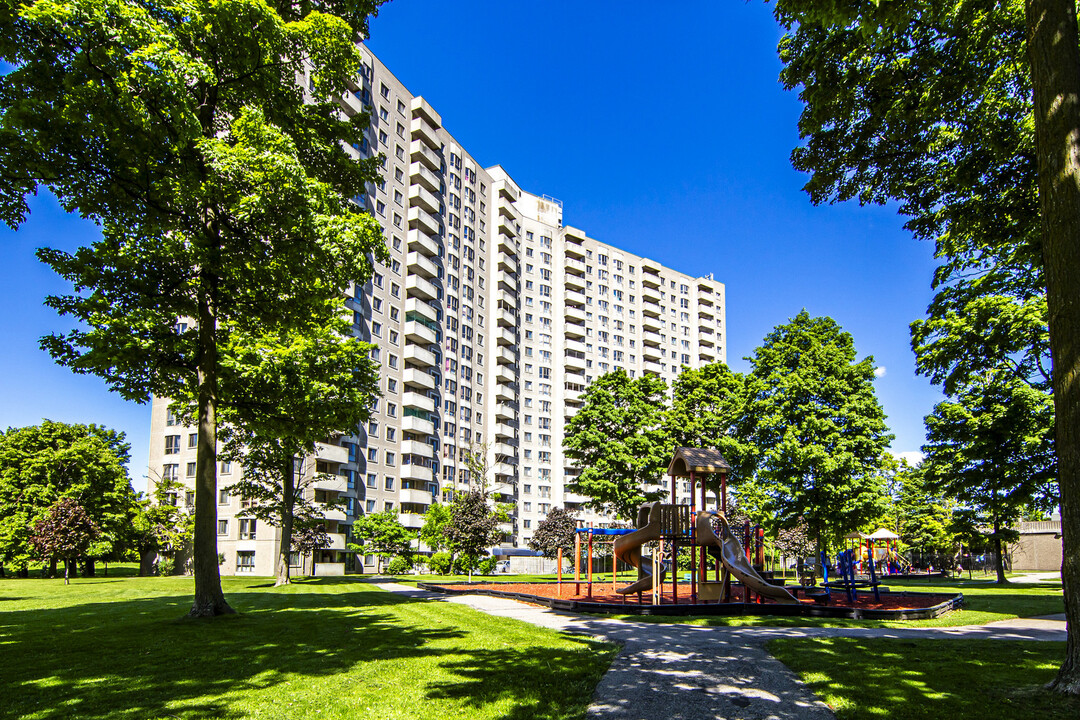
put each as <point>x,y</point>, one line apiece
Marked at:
<point>490,320</point>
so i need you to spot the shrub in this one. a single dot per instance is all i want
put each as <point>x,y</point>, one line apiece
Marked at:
<point>399,565</point>
<point>487,566</point>
<point>166,566</point>
<point>439,563</point>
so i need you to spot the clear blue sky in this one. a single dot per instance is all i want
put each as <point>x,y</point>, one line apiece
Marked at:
<point>663,130</point>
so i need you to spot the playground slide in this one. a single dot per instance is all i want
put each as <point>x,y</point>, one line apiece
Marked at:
<point>628,548</point>
<point>730,552</point>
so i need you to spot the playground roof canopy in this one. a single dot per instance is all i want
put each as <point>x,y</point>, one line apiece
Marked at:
<point>883,534</point>
<point>697,460</point>
<point>856,536</point>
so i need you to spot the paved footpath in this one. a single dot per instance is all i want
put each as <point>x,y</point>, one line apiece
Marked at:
<point>685,672</point>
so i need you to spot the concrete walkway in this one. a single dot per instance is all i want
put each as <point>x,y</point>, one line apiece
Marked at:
<point>686,672</point>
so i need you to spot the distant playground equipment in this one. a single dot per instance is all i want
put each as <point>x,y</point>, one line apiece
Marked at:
<point>881,547</point>
<point>670,526</point>
<point>738,576</point>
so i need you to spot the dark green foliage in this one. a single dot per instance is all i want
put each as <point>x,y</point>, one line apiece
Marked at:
<point>383,534</point>
<point>439,563</point>
<point>620,442</point>
<point>555,532</point>
<point>64,533</point>
<point>819,426</point>
<point>45,463</point>
<point>473,527</point>
<point>993,450</point>
<point>433,532</point>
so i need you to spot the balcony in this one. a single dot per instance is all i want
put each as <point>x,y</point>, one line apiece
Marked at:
<point>420,265</point>
<point>413,521</point>
<point>705,313</point>
<point>419,355</point>
<point>505,451</point>
<point>419,107</point>
<point>350,104</point>
<point>706,355</point>
<point>414,496</point>
<point>507,244</point>
<point>502,430</point>
<point>330,483</point>
<point>505,356</point>
<point>506,190</point>
<point>575,314</point>
<point>418,401</point>
<point>507,281</point>
<point>418,379</point>
<point>507,226</point>
<point>331,453</point>
<point>574,296</point>
<point>574,360</point>
<point>423,243</point>
<point>419,333</point>
<point>504,411</point>
<point>504,392</point>
<point>651,323</point>
<point>575,345</point>
<point>652,367</point>
<point>421,308</point>
<point>574,330</point>
<point>416,286</point>
<point>420,219</point>
<point>705,341</point>
<point>504,469</point>
<point>505,336</point>
<point>415,447</point>
<point>422,129</point>
<point>508,264</point>
<point>649,352</point>
<point>651,295</point>
<point>651,308</point>
<point>573,391</point>
<point>418,425</point>
<point>420,197</point>
<point>574,266</point>
<point>506,318</point>
<point>420,152</point>
<point>652,337</point>
<point>419,173</point>
<point>573,281</point>
<point>419,473</point>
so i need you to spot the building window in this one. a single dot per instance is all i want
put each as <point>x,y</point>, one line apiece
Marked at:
<point>172,444</point>
<point>170,418</point>
<point>170,472</point>
<point>226,467</point>
<point>193,440</point>
<point>222,527</point>
<point>245,561</point>
<point>223,497</point>
<point>191,469</point>
<point>247,529</point>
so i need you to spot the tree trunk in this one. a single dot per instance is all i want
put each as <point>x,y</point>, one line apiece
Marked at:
<point>89,568</point>
<point>146,562</point>
<point>288,487</point>
<point>1054,54</point>
<point>67,572</point>
<point>52,567</point>
<point>209,599</point>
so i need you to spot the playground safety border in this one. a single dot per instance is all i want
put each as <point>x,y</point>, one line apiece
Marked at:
<point>803,609</point>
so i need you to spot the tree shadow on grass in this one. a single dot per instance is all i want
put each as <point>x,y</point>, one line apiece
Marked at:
<point>138,658</point>
<point>539,683</point>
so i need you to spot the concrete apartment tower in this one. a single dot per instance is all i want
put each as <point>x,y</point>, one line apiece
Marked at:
<point>491,318</point>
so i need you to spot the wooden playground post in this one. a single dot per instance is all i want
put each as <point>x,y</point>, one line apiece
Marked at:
<point>558,562</point>
<point>657,586</point>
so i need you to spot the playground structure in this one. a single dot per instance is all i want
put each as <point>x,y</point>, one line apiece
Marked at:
<point>878,549</point>
<point>670,526</point>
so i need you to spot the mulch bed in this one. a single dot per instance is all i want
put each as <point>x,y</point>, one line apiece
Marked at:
<point>602,594</point>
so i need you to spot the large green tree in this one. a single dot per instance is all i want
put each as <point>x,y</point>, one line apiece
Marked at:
<point>383,534</point>
<point>205,139</point>
<point>993,450</point>
<point>968,115</point>
<point>620,442</point>
<point>288,391</point>
<point>820,428</point>
<point>709,410</point>
<point>43,464</point>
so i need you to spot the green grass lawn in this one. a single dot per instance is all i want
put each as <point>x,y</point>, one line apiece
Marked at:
<point>117,647</point>
<point>912,680</point>
<point>983,602</point>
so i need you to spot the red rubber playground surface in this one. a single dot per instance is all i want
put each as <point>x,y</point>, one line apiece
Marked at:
<point>602,593</point>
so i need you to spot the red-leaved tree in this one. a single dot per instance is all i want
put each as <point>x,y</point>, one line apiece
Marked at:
<point>64,533</point>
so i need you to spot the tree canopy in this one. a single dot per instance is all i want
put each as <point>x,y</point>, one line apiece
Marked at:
<point>620,442</point>
<point>819,426</point>
<point>383,534</point>
<point>65,532</point>
<point>206,141</point>
<point>45,463</point>
<point>555,532</point>
<point>473,527</point>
